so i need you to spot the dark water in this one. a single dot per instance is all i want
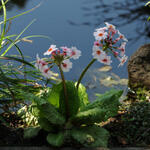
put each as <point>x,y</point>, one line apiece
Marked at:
<point>72,23</point>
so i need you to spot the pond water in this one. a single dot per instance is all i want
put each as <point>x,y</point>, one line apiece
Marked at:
<point>72,23</point>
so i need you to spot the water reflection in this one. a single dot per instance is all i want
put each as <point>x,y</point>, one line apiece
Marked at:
<point>19,3</point>
<point>120,13</point>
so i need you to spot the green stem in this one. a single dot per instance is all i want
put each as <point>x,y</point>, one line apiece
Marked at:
<point>65,92</point>
<point>84,71</point>
<point>4,27</point>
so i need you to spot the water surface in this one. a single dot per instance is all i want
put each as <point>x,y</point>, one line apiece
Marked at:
<point>72,23</point>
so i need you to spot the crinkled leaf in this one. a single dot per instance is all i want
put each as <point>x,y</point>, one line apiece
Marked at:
<point>94,115</point>
<point>31,132</point>
<point>73,99</point>
<point>45,124</point>
<point>91,136</point>
<point>105,99</point>
<point>49,112</point>
<point>104,107</point>
<point>55,139</point>
<point>108,102</point>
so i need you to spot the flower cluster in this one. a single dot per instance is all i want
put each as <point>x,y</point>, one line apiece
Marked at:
<point>107,40</point>
<point>43,67</point>
<point>61,57</point>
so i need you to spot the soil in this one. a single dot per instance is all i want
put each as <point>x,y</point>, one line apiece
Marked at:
<point>11,133</point>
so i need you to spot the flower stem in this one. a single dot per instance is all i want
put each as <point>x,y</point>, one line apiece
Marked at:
<point>84,71</point>
<point>65,92</point>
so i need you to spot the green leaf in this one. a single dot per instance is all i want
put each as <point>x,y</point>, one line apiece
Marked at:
<point>54,95</point>
<point>148,19</point>
<point>94,115</point>
<point>49,112</point>
<point>110,102</point>
<point>73,99</point>
<point>31,132</point>
<point>45,124</point>
<point>104,107</point>
<point>83,96</point>
<point>105,99</point>
<point>91,136</point>
<point>56,139</point>
<point>148,3</point>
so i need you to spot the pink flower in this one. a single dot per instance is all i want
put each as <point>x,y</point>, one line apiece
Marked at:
<point>66,65</point>
<point>122,60</point>
<point>40,62</point>
<point>96,43</point>
<point>75,53</point>
<point>105,60</point>
<point>46,72</point>
<point>122,48</point>
<point>43,67</point>
<point>115,53</point>
<point>51,49</point>
<point>66,50</point>
<point>97,52</point>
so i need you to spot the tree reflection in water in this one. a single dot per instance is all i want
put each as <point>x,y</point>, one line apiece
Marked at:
<point>118,12</point>
<point>19,3</point>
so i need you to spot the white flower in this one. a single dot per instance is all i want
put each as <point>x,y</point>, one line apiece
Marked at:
<point>110,26</point>
<point>100,34</point>
<point>121,36</point>
<point>105,60</point>
<point>98,53</point>
<point>66,65</point>
<point>51,49</point>
<point>75,53</point>
<point>122,60</point>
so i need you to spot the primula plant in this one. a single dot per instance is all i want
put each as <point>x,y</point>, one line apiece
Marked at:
<point>65,112</point>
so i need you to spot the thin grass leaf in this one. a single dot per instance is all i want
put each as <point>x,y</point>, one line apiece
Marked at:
<point>4,27</point>
<point>18,49</point>
<point>16,40</point>
<point>41,36</point>
<point>148,3</point>
<point>4,3</point>
<point>11,18</point>
<point>16,59</point>
<point>9,36</point>
<point>4,92</point>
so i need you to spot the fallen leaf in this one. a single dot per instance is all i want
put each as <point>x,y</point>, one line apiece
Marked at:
<point>105,69</point>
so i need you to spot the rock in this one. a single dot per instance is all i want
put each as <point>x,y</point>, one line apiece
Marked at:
<point>139,68</point>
